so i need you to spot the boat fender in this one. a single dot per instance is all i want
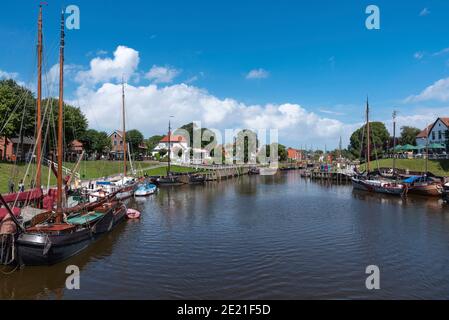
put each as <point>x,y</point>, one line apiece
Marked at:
<point>47,246</point>
<point>7,226</point>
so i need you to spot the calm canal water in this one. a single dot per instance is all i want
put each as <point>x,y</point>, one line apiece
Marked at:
<point>277,237</point>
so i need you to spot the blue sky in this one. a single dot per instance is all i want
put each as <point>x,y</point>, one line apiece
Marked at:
<point>312,61</point>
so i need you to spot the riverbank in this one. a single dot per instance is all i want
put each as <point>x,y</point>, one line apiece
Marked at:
<point>437,167</point>
<point>88,170</point>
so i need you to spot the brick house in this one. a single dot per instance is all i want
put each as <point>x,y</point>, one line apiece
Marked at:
<point>117,145</point>
<point>6,149</point>
<point>294,154</point>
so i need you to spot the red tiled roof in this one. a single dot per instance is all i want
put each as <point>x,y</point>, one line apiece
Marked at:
<point>423,134</point>
<point>174,139</point>
<point>76,144</point>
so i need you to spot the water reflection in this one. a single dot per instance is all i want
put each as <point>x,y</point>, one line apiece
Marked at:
<point>49,282</point>
<point>273,237</point>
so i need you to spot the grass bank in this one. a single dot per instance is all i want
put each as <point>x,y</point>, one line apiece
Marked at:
<point>437,167</point>
<point>88,170</point>
<point>162,171</point>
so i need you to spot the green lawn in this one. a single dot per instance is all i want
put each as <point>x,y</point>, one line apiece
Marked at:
<point>437,167</point>
<point>88,170</point>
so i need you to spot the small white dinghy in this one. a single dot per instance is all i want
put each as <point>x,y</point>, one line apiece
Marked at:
<point>145,190</point>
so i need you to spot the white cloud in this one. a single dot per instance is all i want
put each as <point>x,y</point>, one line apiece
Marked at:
<point>331,112</point>
<point>124,64</point>
<point>191,80</point>
<point>424,12</point>
<point>145,104</point>
<point>439,91</point>
<point>159,74</point>
<point>8,75</point>
<point>51,78</point>
<point>257,74</point>
<point>148,107</point>
<point>418,55</point>
<point>441,52</point>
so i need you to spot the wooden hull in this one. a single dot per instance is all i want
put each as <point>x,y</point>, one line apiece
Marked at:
<point>197,180</point>
<point>369,186</point>
<point>169,181</point>
<point>35,249</point>
<point>431,190</point>
<point>40,248</point>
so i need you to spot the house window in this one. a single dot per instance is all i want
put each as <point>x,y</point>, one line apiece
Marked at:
<point>440,136</point>
<point>121,143</point>
<point>115,143</point>
<point>433,135</point>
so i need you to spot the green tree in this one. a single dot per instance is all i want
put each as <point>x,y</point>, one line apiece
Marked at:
<point>75,123</point>
<point>379,140</point>
<point>408,135</point>
<point>250,144</point>
<point>17,111</point>
<point>135,139</point>
<point>191,128</point>
<point>282,151</point>
<point>96,142</point>
<point>152,142</point>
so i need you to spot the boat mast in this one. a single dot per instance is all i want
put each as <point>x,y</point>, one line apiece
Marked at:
<point>39,103</point>
<point>394,142</point>
<point>125,151</point>
<point>368,154</point>
<point>59,210</point>
<point>169,148</point>
<point>427,151</point>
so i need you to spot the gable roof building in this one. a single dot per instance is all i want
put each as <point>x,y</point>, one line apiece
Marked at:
<point>436,132</point>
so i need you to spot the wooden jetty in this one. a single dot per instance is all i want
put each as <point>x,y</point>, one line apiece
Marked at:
<point>220,173</point>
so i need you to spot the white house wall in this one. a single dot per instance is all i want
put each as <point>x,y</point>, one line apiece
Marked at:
<point>436,135</point>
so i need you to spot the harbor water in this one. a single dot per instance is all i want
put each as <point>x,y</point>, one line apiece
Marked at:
<point>272,237</point>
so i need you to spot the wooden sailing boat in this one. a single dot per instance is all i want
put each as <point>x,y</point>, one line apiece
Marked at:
<point>367,182</point>
<point>65,232</point>
<point>170,179</point>
<point>128,185</point>
<point>33,196</point>
<point>125,187</point>
<point>425,185</point>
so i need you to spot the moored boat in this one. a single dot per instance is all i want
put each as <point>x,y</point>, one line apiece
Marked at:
<point>145,190</point>
<point>378,186</point>
<point>170,180</point>
<point>59,233</point>
<point>424,185</point>
<point>197,179</point>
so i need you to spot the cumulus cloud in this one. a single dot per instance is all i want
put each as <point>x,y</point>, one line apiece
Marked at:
<point>158,74</point>
<point>439,91</point>
<point>257,74</point>
<point>124,64</point>
<point>148,106</point>
<point>8,75</point>
<point>188,103</point>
